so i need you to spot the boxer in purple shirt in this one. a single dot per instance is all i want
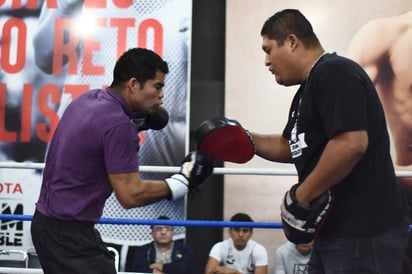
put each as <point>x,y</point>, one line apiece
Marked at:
<point>94,152</point>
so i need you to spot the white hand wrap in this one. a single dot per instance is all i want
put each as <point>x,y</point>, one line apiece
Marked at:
<point>178,185</point>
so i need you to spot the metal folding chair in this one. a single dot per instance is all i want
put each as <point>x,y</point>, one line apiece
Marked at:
<point>13,258</point>
<point>32,258</point>
<point>116,256</point>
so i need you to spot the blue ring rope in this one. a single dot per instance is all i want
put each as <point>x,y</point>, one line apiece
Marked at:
<point>193,223</point>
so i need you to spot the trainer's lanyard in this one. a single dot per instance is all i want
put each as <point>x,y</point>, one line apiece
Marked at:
<point>296,141</point>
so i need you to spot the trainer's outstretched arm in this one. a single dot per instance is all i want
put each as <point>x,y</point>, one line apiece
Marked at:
<point>273,147</point>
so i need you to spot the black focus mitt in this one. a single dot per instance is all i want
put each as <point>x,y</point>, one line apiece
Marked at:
<point>300,223</point>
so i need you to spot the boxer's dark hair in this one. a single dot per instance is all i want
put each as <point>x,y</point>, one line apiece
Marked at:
<point>139,63</point>
<point>290,21</point>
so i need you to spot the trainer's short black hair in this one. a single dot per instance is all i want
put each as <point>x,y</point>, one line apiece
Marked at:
<point>290,21</point>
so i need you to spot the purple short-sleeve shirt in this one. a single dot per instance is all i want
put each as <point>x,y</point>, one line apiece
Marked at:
<point>95,137</point>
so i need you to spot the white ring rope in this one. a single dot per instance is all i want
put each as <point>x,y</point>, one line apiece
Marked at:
<point>217,170</point>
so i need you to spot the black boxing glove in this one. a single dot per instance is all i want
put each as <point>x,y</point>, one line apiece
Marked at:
<point>195,169</point>
<point>155,120</point>
<point>300,223</point>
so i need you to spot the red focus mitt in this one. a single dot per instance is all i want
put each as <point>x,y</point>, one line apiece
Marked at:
<point>224,139</point>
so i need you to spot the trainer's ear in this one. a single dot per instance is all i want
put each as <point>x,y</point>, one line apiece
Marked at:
<point>292,41</point>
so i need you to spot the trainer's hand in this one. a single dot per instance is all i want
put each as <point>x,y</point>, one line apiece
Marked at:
<point>300,223</point>
<point>245,130</point>
<point>195,169</point>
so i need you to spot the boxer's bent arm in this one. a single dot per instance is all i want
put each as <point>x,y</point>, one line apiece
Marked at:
<point>338,159</point>
<point>272,147</point>
<point>132,191</point>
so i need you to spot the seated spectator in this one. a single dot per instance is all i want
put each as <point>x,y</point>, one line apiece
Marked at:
<point>163,254</point>
<point>291,258</point>
<point>238,254</point>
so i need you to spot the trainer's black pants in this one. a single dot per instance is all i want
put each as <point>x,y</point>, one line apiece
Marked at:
<point>66,247</point>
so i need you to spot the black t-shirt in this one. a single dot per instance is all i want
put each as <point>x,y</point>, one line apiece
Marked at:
<point>338,96</point>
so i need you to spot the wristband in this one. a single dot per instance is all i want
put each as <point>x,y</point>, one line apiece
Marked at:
<point>178,186</point>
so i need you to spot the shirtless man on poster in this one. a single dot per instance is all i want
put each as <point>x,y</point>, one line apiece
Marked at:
<point>383,47</point>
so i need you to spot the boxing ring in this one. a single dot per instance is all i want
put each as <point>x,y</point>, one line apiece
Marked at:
<point>176,223</point>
